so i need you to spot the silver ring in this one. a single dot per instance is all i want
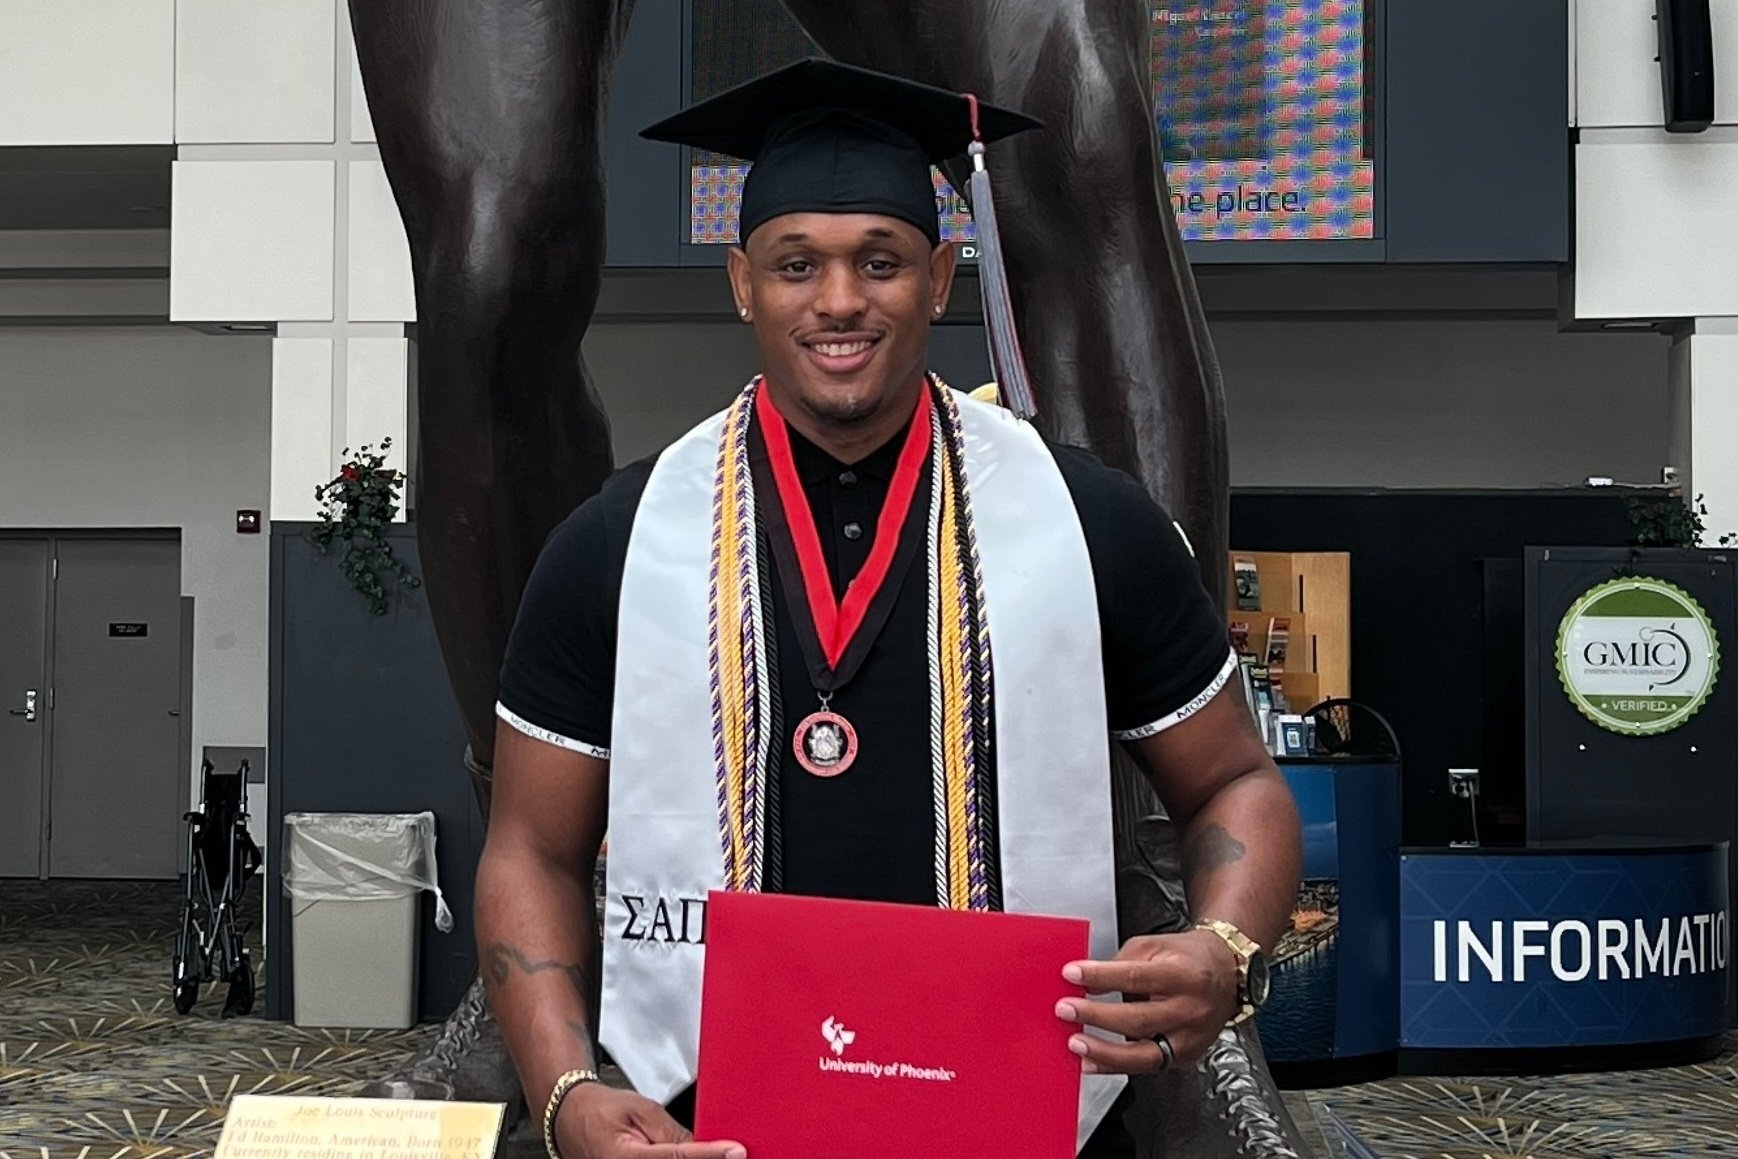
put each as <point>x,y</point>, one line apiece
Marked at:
<point>1168,1051</point>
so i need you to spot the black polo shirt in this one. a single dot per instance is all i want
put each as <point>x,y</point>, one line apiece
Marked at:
<point>868,834</point>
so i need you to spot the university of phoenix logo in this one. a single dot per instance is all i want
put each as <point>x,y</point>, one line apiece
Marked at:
<point>837,1036</point>
<point>1637,656</point>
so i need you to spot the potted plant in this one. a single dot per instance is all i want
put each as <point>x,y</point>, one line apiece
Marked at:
<point>1671,521</point>
<point>356,509</point>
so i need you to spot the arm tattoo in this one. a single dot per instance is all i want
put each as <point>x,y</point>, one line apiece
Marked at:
<point>1211,849</point>
<point>503,959</point>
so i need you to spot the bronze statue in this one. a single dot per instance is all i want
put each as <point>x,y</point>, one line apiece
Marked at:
<point>490,117</point>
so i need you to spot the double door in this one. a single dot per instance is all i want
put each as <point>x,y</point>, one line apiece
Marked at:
<point>91,707</point>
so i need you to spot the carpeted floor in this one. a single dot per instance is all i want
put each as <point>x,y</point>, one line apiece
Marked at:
<point>94,1061</point>
<point>1689,1111</point>
<point>96,1064</point>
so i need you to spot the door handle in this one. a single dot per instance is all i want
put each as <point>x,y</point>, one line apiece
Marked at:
<point>28,712</point>
<point>174,712</point>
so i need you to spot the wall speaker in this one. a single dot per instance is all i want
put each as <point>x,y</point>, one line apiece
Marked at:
<point>1686,64</point>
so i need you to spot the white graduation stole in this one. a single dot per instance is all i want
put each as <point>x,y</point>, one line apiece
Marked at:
<point>1052,763</point>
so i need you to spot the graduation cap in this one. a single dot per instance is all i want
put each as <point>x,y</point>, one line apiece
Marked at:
<point>826,137</point>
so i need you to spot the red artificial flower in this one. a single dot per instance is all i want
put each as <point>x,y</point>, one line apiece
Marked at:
<point>350,473</point>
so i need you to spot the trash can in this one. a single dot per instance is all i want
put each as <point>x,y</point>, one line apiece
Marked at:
<point>353,880</point>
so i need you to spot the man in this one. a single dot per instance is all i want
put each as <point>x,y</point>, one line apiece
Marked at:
<point>857,637</point>
<point>491,118</point>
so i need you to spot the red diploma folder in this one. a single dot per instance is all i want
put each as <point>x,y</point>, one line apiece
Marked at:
<point>853,1030</point>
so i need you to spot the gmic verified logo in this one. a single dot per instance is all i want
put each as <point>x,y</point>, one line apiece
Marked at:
<point>837,1036</point>
<point>1637,655</point>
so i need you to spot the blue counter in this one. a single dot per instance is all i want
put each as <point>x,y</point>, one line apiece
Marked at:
<point>1333,1014</point>
<point>1532,957</point>
<point>1554,956</point>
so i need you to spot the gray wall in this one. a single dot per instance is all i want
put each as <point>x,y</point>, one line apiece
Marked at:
<point>154,426</point>
<point>1351,402</point>
<point>362,720</point>
<point>1440,404</point>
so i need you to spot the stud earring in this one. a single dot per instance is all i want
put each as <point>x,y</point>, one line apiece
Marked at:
<point>940,310</point>
<point>744,313</point>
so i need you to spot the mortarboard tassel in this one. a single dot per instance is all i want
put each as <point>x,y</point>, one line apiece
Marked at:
<point>1006,360</point>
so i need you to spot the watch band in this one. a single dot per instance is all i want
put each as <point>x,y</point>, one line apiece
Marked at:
<point>1245,948</point>
<point>563,1086</point>
<point>1241,944</point>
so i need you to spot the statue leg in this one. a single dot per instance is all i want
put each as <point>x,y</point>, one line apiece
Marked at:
<point>489,120</point>
<point>489,116</point>
<point>1122,363</point>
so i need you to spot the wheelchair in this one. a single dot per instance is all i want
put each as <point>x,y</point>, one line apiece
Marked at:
<point>221,859</point>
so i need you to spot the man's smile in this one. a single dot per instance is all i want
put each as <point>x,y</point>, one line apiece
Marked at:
<point>841,354</point>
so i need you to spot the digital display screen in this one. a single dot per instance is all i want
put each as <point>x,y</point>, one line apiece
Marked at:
<point>1261,108</point>
<point>1263,119</point>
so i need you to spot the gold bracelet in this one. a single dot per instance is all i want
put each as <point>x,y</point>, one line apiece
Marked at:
<point>563,1085</point>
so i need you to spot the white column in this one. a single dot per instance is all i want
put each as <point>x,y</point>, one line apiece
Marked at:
<point>375,395</point>
<point>253,71</point>
<point>87,72</point>
<point>283,217</point>
<point>1654,235</point>
<point>1704,402</point>
<point>1655,239</point>
<point>301,423</point>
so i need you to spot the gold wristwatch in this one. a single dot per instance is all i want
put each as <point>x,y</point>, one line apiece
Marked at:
<point>1252,979</point>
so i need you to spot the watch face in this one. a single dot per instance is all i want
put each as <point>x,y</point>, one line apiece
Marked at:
<point>1258,980</point>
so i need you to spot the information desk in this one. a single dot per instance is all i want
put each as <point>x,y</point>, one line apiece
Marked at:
<point>1562,956</point>
<point>1332,1015</point>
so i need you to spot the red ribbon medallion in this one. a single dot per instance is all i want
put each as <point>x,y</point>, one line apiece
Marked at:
<point>825,743</point>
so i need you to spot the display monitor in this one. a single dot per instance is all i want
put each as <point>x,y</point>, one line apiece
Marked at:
<point>1262,110</point>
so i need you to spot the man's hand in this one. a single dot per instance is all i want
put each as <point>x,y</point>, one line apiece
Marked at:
<point>1183,986</point>
<point>599,1122</point>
